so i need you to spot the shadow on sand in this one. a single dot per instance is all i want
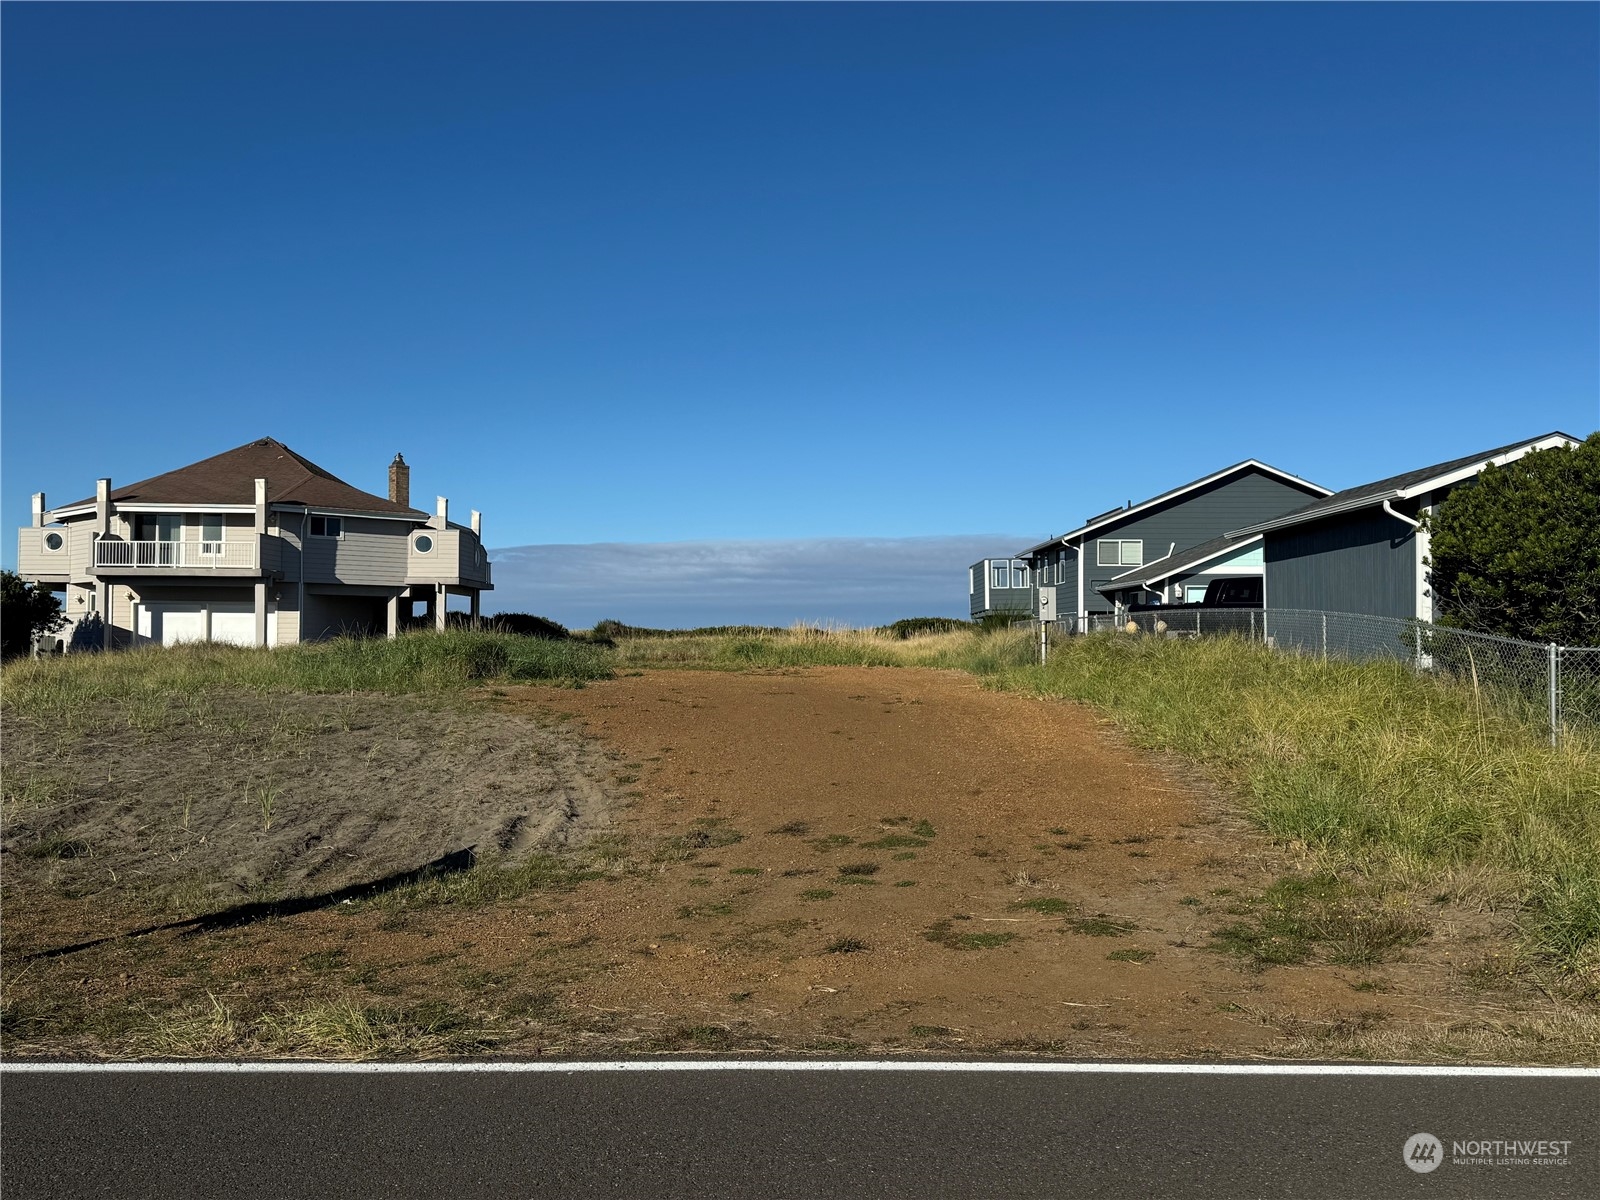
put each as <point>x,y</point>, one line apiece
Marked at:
<point>261,910</point>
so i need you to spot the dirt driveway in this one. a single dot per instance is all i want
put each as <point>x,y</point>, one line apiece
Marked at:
<point>1033,880</point>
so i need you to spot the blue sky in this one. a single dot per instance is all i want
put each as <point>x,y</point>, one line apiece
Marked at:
<point>618,274</point>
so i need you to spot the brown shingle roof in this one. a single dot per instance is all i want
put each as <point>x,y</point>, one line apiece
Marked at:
<point>228,478</point>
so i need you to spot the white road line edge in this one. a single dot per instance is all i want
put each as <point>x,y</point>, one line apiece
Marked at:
<point>684,1065</point>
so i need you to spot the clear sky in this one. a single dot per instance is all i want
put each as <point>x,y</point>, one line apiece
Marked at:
<point>683,273</point>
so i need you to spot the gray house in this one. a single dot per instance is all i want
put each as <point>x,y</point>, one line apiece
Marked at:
<point>256,546</point>
<point>1159,548</point>
<point>999,587</point>
<point>1360,550</point>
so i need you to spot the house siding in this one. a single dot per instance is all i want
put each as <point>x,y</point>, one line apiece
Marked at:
<point>1362,562</point>
<point>370,553</point>
<point>1001,600</point>
<point>1186,520</point>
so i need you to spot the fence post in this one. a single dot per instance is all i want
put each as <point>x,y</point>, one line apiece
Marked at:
<point>1252,624</point>
<point>1555,694</point>
<point>1324,637</point>
<point>1043,643</point>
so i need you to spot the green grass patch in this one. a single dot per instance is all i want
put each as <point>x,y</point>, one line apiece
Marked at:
<point>1049,905</point>
<point>944,934</point>
<point>847,945</point>
<point>1301,917</point>
<point>1131,954</point>
<point>1101,926</point>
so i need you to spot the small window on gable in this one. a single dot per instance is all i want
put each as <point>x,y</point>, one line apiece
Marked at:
<point>327,527</point>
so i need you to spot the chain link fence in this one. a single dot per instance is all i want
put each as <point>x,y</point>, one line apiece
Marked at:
<point>1557,686</point>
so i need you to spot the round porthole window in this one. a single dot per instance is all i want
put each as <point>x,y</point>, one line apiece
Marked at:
<point>52,541</point>
<point>423,543</point>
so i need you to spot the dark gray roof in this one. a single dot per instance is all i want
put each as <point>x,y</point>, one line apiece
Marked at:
<point>1370,495</point>
<point>1171,564</point>
<point>1116,514</point>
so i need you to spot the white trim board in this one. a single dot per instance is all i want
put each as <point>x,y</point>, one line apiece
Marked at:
<point>304,1067</point>
<point>1499,460</point>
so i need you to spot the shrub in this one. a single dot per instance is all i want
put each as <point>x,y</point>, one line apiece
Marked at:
<point>26,610</point>
<point>1516,553</point>
<point>909,627</point>
<point>529,626</point>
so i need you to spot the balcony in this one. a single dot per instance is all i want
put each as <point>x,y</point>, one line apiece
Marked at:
<point>239,556</point>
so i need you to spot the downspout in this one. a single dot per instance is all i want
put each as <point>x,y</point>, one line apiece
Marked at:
<point>1416,526</point>
<point>1083,605</point>
<point>1388,507</point>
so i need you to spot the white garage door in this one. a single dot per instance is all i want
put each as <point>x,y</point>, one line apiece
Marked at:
<point>172,623</point>
<point>233,623</point>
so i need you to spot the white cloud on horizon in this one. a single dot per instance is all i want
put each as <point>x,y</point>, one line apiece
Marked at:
<point>850,581</point>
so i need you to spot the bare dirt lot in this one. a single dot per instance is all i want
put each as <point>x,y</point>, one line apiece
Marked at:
<point>827,859</point>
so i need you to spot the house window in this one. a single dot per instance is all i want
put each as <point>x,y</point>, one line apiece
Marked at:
<point>210,535</point>
<point>1109,552</point>
<point>52,541</point>
<point>162,527</point>
<point>1061,569</point>
<point>1019,575</point>
<point>423,543</point>
<point>1001,576</point>
<point>330,527</point>
<point>1194,593</point>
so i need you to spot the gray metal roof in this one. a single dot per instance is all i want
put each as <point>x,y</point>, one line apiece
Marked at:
<point>1370,495</point>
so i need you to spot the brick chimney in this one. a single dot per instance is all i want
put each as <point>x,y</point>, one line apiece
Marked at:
<point>400,481</point>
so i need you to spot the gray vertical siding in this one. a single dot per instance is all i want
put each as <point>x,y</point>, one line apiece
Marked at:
<point>1363,562</point>
<point>1001,600</point>
<point>1201,515</point>
<point>1188,520</point>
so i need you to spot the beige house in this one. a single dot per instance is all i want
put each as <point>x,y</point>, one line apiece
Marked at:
<point>255,546</point>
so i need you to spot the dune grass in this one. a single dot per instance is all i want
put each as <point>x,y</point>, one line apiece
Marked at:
<point>75,691</point>
<point>1369,765</point>
<point>812,646</point>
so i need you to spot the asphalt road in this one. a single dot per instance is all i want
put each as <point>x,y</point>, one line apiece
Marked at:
<point>760,1133</point>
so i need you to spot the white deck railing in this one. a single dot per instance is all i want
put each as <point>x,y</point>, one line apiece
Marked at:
<point>185,556</point>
